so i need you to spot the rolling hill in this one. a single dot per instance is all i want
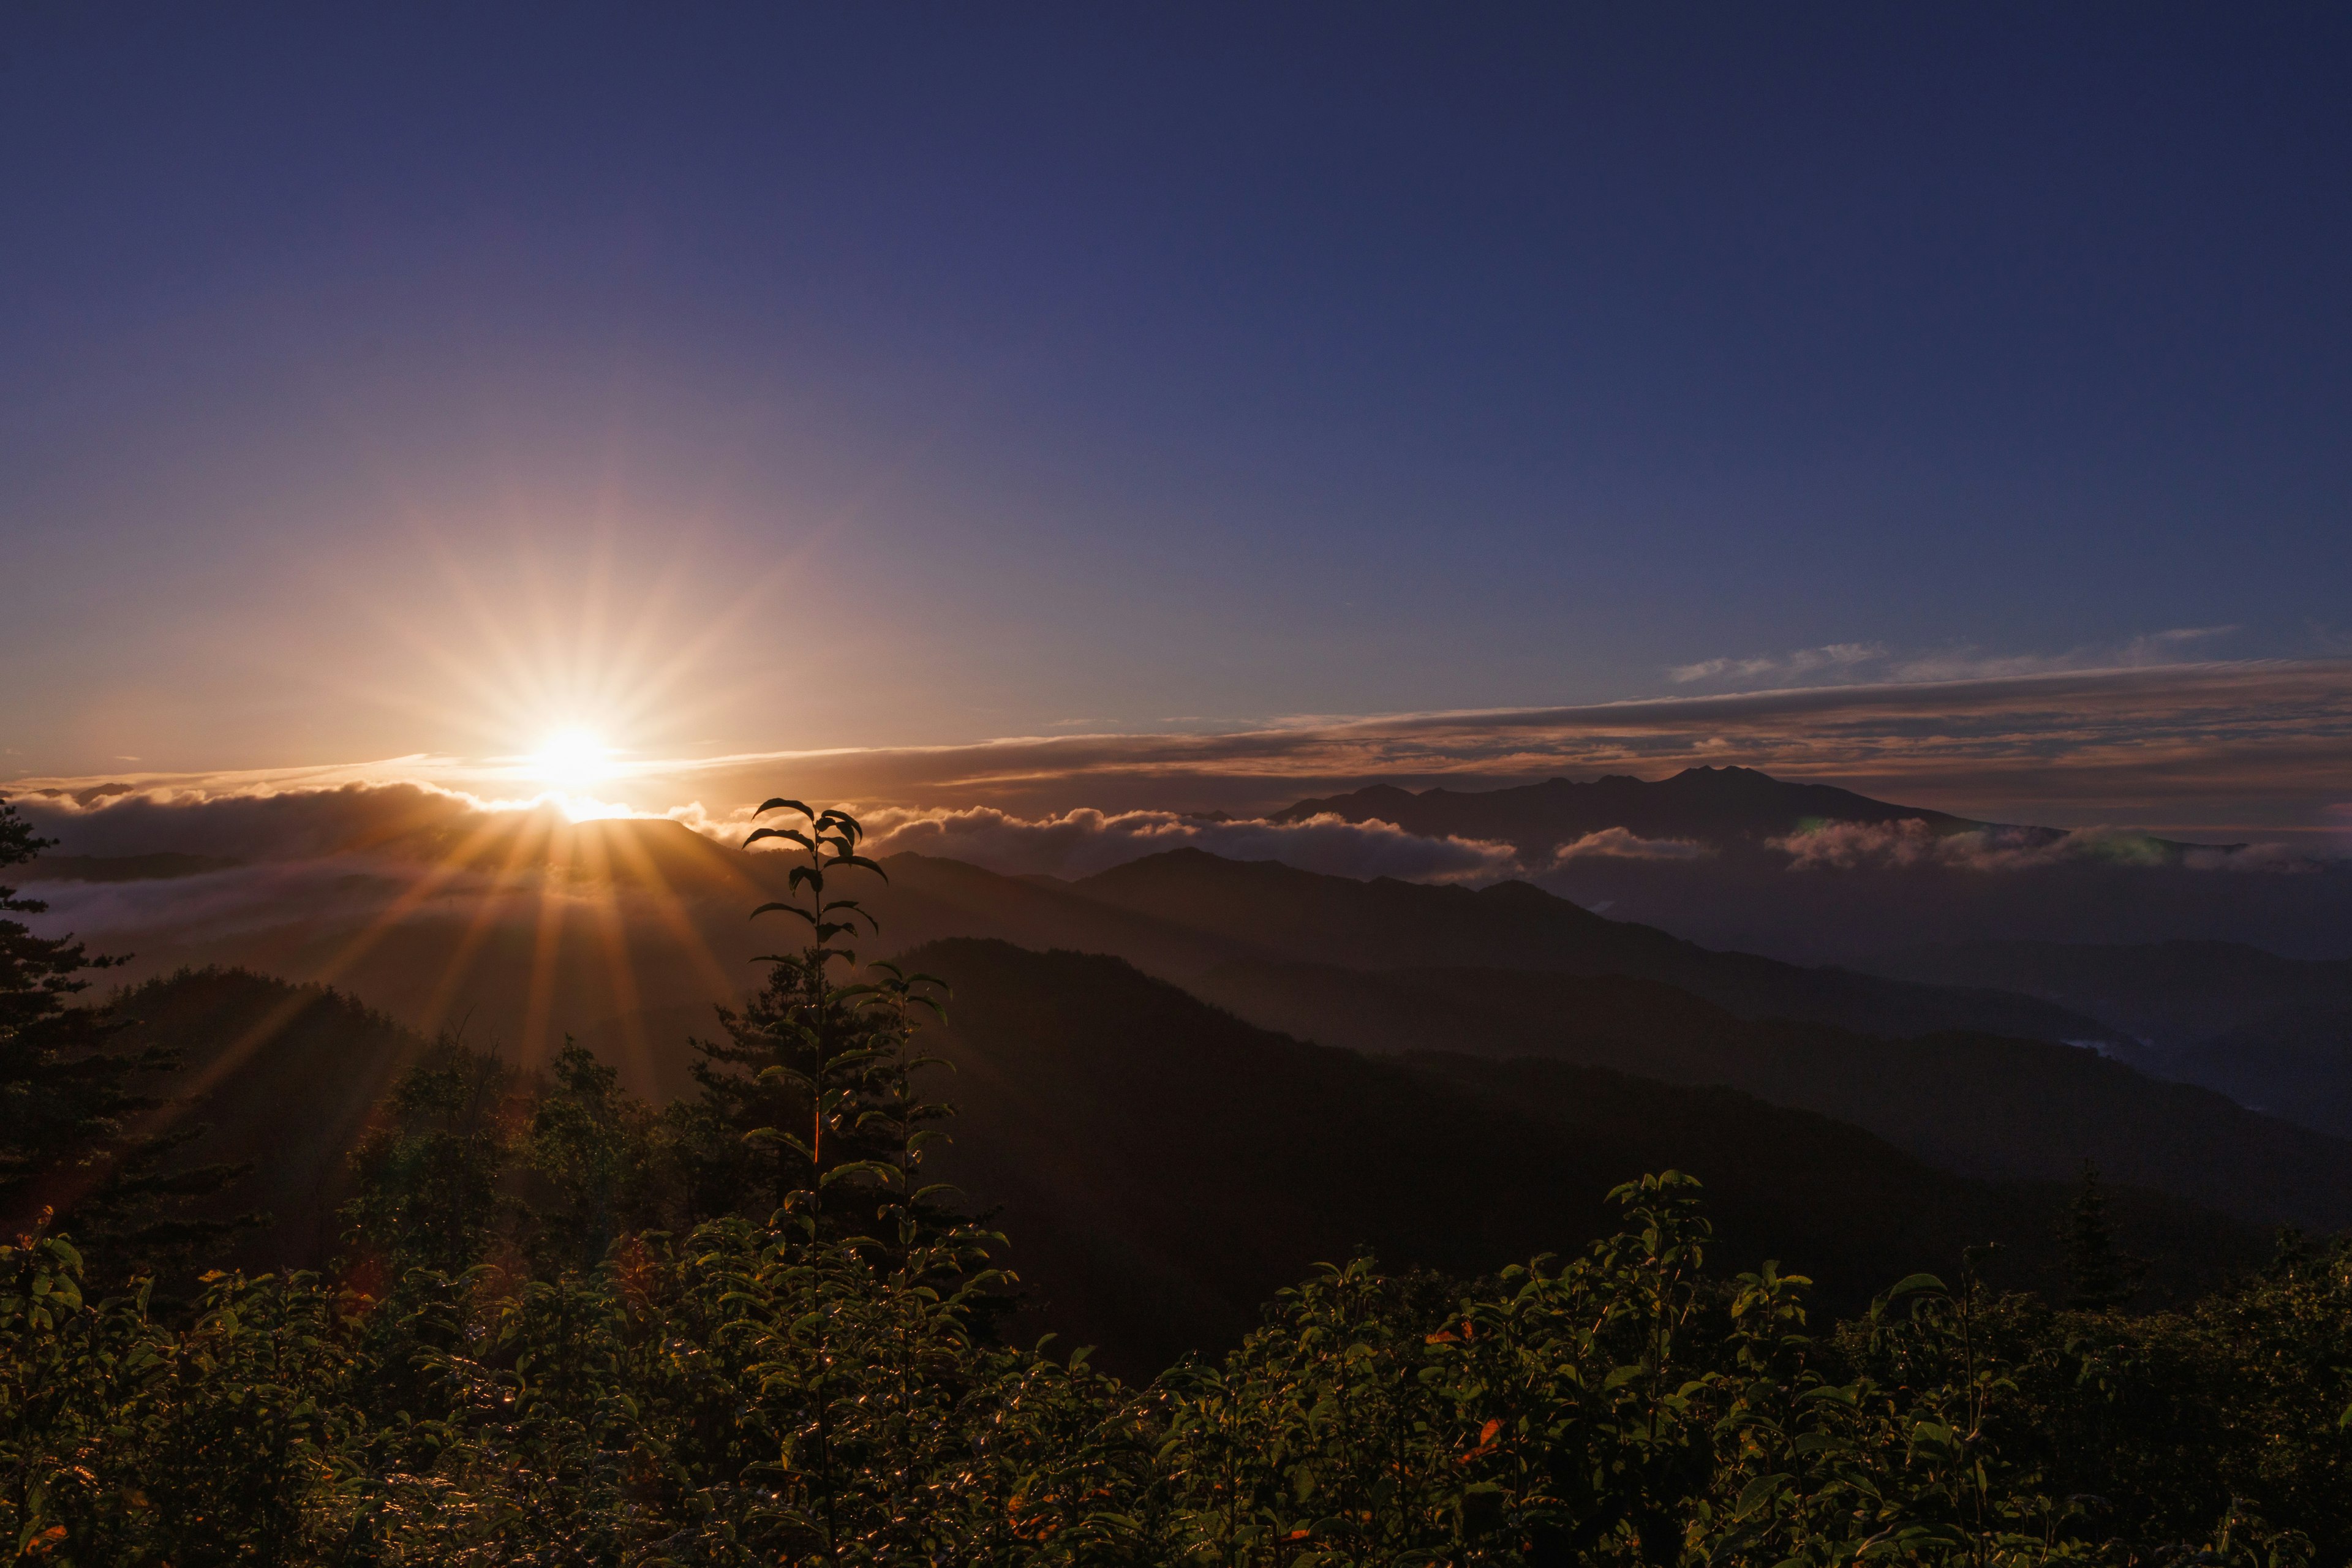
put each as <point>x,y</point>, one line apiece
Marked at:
<point>1979,1104</point>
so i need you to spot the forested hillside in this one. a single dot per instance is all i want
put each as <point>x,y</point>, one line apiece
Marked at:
<point>558,1323</point>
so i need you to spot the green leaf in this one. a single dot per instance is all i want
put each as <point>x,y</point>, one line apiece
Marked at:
<point>1758,1492</point>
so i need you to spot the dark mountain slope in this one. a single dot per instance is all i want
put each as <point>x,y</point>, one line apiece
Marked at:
<point>284,1077</point>
<point>1722,808</point>
<point>2267,1031</point>
<point>2169,995</point>
<point>1979,1104</point>
<point>1284,913</point>
<point>2295,1063</point>
<point>1163,1165</point>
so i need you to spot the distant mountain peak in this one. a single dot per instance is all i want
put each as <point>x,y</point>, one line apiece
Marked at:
<point>1724,807</point>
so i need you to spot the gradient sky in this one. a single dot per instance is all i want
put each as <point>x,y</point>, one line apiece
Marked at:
<point>389,380</point>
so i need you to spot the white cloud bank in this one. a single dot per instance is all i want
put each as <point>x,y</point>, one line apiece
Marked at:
<point>1855,845</point>
<point>1080,843</point>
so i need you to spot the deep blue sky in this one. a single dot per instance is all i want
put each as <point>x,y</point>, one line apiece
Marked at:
<point>1123,366</point>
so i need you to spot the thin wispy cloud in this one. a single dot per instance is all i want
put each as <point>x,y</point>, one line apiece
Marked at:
<point>1802,663</point>
<point>1847,660</point>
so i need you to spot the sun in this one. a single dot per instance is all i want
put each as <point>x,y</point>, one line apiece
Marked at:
<point>570,759</point>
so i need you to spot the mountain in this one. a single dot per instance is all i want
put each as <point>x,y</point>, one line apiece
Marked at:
<point>2295,1063</point>
<point>1275,911</point>
<point>1720,807</point>
<point>1971,1103</point>
<point>282,1076</point>
<point>2168,995</point>
<point>1733,810</point>
<point>624,932</point>
<point>1689,854</point>
<point>1161,1166</point>
<point>2267,1031</point>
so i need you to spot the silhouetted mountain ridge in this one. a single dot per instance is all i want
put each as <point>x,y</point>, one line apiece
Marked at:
<point>1721,807</point>
<point>1270,909</point>
<point>1732,810</point>
<point>2267,1031</point>
<point>2168,994</point>
<point>1973,1103</point>
<point>1161,1164</point>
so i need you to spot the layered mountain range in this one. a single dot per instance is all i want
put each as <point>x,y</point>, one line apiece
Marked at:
<point>1723,808</point>
<point>1730,809</point>
<point>1448,1074</point>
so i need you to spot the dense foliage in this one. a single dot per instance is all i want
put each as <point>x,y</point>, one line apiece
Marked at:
<point>573,1330</point>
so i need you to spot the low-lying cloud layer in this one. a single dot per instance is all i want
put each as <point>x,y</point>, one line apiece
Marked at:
<point>1618,844</point>
<point>328,882</point>
<point>2243,750</point>
<point>1850,846</point>
<point>1080,843</point>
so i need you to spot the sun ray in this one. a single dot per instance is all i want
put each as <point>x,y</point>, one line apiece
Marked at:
<point>208,1075</point>
<point>487,907</point>
<point>609,917</point>
<point>670,909</point>
<point>538,997</point>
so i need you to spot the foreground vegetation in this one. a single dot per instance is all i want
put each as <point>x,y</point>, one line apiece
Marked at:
<point>572,1329</point>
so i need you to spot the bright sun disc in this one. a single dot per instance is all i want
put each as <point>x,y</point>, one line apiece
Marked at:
<point>569,758</point>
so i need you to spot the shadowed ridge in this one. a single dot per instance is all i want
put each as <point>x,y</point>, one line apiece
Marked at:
<point>1967,1102</point>
<point>2169,993</point>
<point>1282,912</point>
<point>1161,1164</point>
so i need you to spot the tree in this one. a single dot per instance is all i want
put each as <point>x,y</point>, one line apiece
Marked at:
<point>78,1128</point>
<point>814,1083</point>
<point>597,1145</point>
<point>2099,1276</point>
<point>431,1169</point>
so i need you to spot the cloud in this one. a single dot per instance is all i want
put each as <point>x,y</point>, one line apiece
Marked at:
<point>1079,843</point>
<point>1618,844</point>
<point>1968,663</point>
<point>1960,662</point>
<point>263,822</point>
<point>1836,656</point>
<point>1851,845</point>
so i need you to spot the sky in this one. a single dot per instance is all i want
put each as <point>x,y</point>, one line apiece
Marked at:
<point>735,381</point>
